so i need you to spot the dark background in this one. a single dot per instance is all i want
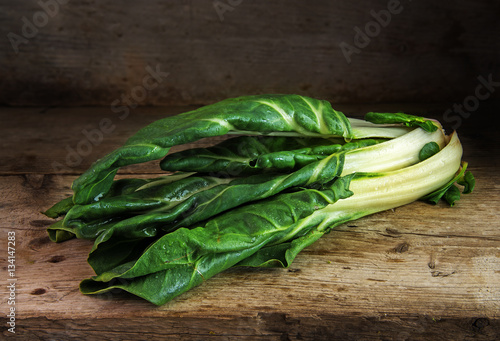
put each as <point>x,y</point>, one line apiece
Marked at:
<point>77,52</point>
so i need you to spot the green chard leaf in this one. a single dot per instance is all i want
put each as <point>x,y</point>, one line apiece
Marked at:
<point>205,204</point>
<point>452,195</point>
<point>308,170</point>
<point>185,258</point>
<point>58,232</point>
<point>449,192</point>
<point>406,119</point>
<point>263,114</point>
<point>468,181</point>
<point>269,232</point>
<point>60,208</point>
<point>252,154</point>
<point>428,150</point>
<point>148,212</point>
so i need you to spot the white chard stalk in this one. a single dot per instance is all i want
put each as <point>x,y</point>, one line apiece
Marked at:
<point>375,192</point>
<point>380,191</point>
<point>397,153</point>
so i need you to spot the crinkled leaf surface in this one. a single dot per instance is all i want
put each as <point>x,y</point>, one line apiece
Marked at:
<point>260,114</point>
<point>406,119</point>
<point>184,258</point>
<point>58,232</point>
<point>252,154</point>
<point>203,205</point>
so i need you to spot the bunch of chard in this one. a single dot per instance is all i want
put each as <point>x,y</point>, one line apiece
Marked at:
<point>295,169</point>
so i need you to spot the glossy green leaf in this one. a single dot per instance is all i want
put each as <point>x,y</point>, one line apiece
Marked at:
<point>263,114</point>
<point>184,258</point>
<point>441,193</point>
<point>58,232</point>
<point>60,208</point>
<point>379,157</point>
<point>406,119</point>
<point>452,195</point>
<point>250,154</point>
<point>269,232</point>
<point>468,181</point>
<point>206,204</point>
<point>428,150</point>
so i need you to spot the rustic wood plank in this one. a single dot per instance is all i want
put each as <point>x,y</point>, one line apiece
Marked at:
<point>93,54</point>
<point>417,272</point>
<point>387,268</point>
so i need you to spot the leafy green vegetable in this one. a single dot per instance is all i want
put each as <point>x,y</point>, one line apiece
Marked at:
<point>251,154</point>
<point>428,150</point>
<point>250,200</point>
<point>60,208</point>
<point>271,232</point>
<point>468,182</point>
<point>184,258</point>
<point>449,191</point>
<point>406,119</point>
<point>205,204</point>
<point>264,114</point>
<point>143,213</point>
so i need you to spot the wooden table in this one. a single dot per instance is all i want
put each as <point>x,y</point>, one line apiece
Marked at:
<point>417,272</point>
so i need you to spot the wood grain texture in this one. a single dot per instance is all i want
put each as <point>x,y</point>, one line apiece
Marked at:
<point>96,53</point>
<point>418,272</point>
